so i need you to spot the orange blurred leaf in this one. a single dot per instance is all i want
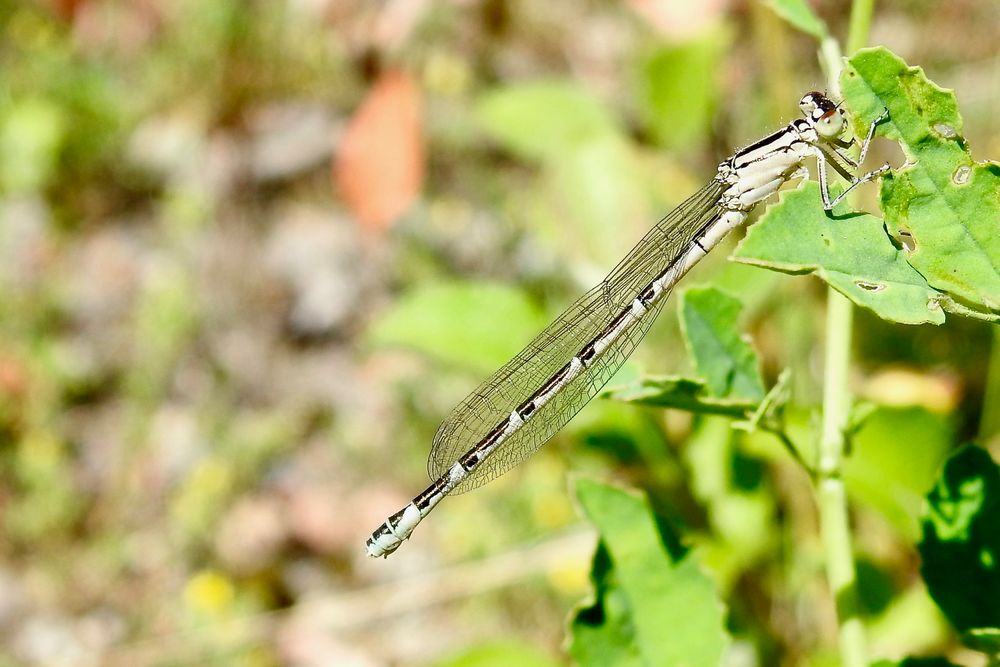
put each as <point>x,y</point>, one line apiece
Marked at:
<point>380,165</point>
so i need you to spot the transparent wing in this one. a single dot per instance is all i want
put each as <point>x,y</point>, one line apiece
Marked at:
<point>492,402</point>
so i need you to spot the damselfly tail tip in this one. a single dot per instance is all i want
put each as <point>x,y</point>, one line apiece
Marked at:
<point>382,543</point>
<point>391,534</point>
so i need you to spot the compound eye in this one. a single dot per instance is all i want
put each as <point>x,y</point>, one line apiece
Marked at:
<point>810,102</point>
<point>830,124</point>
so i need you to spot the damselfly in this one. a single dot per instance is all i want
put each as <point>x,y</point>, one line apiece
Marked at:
<point>523,404</point>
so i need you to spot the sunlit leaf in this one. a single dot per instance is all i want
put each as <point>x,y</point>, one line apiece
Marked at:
<point>961,545</point>
<point>660,586</point>
<point>849,251</point>
<point>380,161</point>
<point>723,358</point>
<point>477,326</point>
<point>947,202</point>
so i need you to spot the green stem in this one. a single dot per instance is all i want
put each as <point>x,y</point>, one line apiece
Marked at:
<point>832,495</point>
<point>832,61</point>
<point>861,23</point>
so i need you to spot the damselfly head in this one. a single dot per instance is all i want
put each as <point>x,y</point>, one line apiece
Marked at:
<point>824,115</point>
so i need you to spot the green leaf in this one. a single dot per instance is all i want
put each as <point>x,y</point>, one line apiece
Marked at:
<point>672,391</point>
<point>477,326</point>
<point>961,545</point>
<point>501,654</point>
<point>946,201</point>
<point>850,252</point>
<point>895,457</point>
<point>800,15</point>
<point>678,91</point>
<point>674,611</point>
<point>544,120</point>
<point>727,362</point>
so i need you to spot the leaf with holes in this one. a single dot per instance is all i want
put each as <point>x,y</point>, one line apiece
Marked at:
<point>947,202</point>
<point>851,252</point>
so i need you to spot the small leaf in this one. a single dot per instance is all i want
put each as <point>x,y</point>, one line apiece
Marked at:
<point>379,166</point>
<point>659,591</point>
<point>800,15</point>
<point>948,203</point>
<point>850,252</point>
<point>961,545</point>
<point>543,120</point>
<point>671,391</point>
<point>727,362</point>
<point>474,325</point>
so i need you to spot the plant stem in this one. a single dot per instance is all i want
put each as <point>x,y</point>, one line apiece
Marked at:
<point>832,495</point>
<point>861,23</point>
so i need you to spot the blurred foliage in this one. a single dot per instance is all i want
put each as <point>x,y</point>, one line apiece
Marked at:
<point>960,544</point>
<point>215,379</point>
<point>500,655</point>
<point>458,324</point>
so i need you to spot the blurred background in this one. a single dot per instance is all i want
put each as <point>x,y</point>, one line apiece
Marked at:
<point>252,253</point>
